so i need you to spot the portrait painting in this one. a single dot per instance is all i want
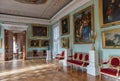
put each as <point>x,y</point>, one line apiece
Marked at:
<point>40,31</point>
<point>109,12</point>
<point>83,26</point>
<point>65,42</point>
<point>34,43</point>
<point>65,27</point>
<point>44,42</point>
<point>111,38</point>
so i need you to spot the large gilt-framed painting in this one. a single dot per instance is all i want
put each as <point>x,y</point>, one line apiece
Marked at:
<point>65,25</point>
<point>83,26</point>
<point>34,43</point>
<point>65,42</point>
<point>109,12</point>
<point>39,30</point>
<point>111,38</point>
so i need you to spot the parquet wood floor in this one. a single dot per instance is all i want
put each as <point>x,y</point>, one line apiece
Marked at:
<point>37,70</point>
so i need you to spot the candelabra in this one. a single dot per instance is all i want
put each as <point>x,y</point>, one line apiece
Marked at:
<point>93,41</point>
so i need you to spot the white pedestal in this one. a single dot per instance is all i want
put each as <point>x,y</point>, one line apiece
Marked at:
<point>67,51</point>
<point>93,68</point>
<point>48,57</point>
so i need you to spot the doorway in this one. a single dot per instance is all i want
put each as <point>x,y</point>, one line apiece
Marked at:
<point>15,45</point>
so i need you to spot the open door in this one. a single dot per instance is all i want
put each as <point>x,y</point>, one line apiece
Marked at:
<point>24,45</point>
<point>15,45</point>
<point>8,37</point>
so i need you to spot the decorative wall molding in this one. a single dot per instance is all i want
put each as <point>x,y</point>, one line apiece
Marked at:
<point>23,19</point>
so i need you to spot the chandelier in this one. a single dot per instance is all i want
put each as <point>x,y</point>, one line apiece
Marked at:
<point>32,1</point>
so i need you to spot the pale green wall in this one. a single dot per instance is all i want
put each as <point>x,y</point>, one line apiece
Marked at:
<point>103,53</point>
<point>2,37</point>
<point>29,36</point>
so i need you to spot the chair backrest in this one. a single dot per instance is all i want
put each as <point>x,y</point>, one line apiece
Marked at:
<point>75,56</point>
<point>86,57</point>
<point>114,61</point>
<point>80,56</point>
<point>63,53</point>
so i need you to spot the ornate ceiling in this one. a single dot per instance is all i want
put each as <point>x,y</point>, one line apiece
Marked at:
<point>32,8</point>
<point>32,1</point>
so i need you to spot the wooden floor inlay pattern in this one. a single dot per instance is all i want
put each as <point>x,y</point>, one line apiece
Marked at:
<point>37,70</point>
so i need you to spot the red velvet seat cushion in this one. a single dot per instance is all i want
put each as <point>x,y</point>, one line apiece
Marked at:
<point>78,63</point>
<point>75,62</point>
<point>71,61</point>
<point>59,58</point>
<point>109,71</point>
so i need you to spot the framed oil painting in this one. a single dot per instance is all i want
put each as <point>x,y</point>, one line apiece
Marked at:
<point>65,25</point>
<point>44,42</point>
<point>34,43</point>
<point>109,12</point>
<point>111,38</point>
<point>65,42</point>
<point>83,26</point>
<point>39,31</point>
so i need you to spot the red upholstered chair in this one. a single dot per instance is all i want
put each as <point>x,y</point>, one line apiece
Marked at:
<point>58,58</point>
<point>72,59</point>
<point>83,61</point>
<point>112,69</point>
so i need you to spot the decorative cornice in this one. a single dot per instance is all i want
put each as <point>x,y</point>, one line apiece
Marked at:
<point>23,19</point>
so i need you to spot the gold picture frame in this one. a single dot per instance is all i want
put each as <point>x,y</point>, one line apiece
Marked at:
<point>65,42</point>
<point>109,12</point>
<point>65,25</point>
<point>34,43</point>
<point>39,30</point>
<point>83,26</point>
<point>111,38</point>
<point>45,42</point>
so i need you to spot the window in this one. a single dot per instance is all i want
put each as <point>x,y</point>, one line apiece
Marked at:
<point>56,40</point>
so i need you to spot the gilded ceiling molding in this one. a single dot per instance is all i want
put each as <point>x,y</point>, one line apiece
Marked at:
<point>23,19</point>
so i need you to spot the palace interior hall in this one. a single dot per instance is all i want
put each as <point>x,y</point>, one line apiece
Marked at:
<point>59,40</point>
